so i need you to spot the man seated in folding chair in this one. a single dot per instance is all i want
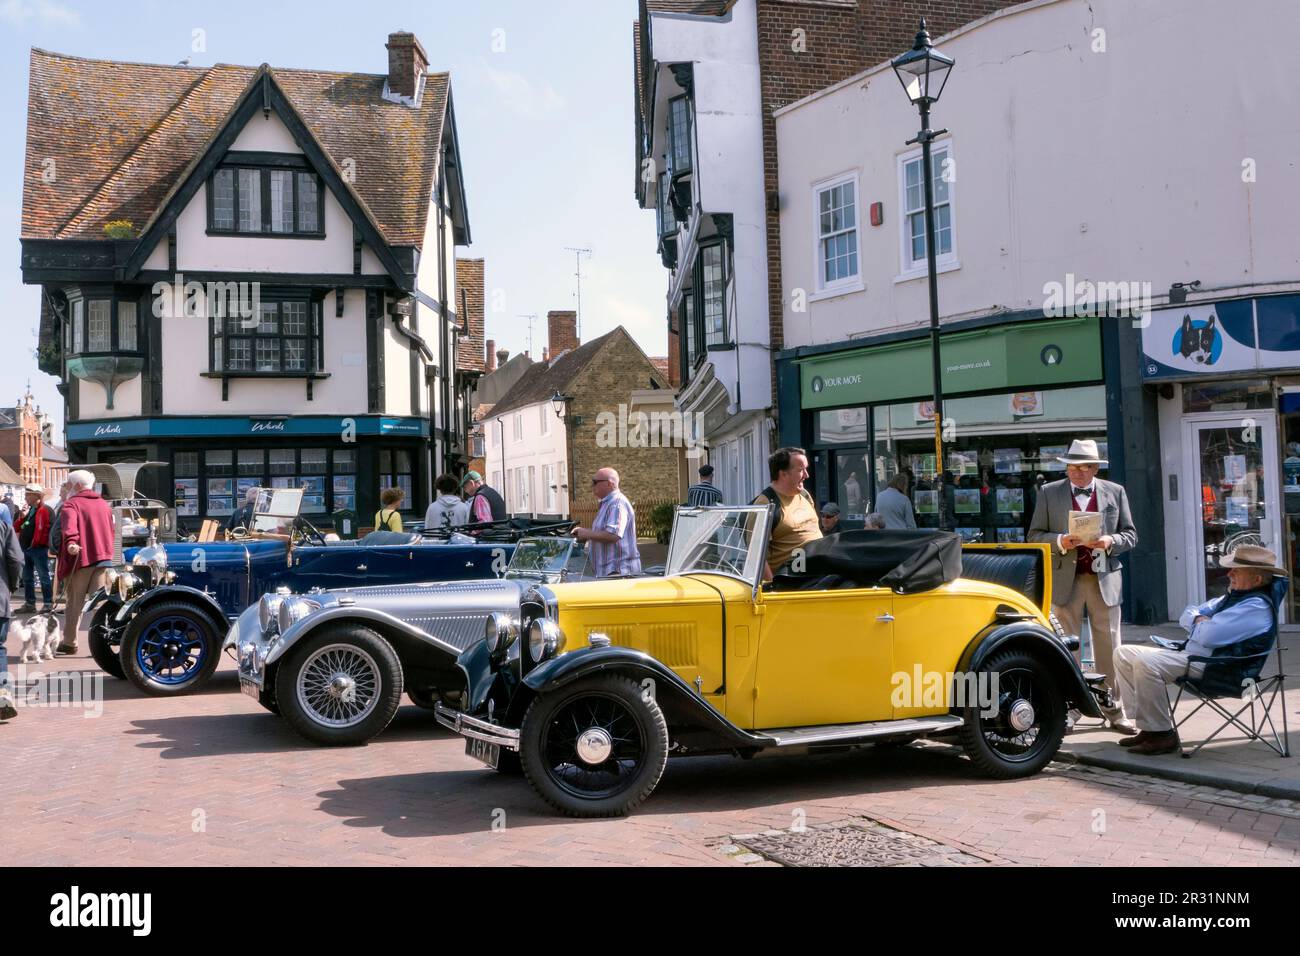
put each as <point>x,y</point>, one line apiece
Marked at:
<point>1241,627</point>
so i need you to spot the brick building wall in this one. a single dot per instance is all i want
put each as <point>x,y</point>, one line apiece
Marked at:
<point>608,380</point>
<point>837,40</point>
<point>20,444</point>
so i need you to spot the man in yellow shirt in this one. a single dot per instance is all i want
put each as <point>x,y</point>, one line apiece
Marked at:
<point>796,512</point>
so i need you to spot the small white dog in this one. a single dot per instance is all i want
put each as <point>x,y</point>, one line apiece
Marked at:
<point>40,635</point>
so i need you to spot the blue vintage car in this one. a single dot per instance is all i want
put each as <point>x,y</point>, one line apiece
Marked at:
<point>162,617</point>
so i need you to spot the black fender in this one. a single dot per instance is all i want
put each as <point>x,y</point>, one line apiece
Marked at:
<point>688,714</point>
<point>102,606</point>
<point>1038,640</point>
<point>204,603</point>
<point>475,666</point>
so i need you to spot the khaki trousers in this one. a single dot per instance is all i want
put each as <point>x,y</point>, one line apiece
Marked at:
<point>81,583</point>
<point>1142,673</point>
<point>1103,620</point>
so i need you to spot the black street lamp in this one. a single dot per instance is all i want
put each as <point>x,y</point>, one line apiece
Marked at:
<point>923,71</point>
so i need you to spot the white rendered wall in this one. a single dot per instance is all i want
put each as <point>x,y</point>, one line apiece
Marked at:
<point>1123,165</point>
<point>534,449</point>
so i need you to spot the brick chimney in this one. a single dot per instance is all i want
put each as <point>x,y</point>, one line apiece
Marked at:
<point>490,365</point>
<point>562,331</point>
<point>407,63</point>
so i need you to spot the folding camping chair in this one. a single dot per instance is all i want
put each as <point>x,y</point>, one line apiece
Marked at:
<point>1233,673</point>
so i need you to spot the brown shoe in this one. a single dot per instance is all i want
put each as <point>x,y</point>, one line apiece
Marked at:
<point>1141,736</point>
<point>1166,742</point>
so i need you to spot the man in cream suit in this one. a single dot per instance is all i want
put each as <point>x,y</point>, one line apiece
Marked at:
<point>1086,578</point>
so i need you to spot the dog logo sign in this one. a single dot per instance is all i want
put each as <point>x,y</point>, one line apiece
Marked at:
<point>1199,340</point>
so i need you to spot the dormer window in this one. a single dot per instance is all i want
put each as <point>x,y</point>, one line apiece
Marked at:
<point>281,198</point>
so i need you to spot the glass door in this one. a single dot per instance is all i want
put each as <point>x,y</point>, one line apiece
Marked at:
<point>1234,498</point>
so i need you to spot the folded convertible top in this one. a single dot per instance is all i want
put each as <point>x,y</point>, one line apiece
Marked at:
<point>904,561</point>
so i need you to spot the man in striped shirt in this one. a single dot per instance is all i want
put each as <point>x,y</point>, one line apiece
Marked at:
<point>704,493</point>
<point>613,531</point>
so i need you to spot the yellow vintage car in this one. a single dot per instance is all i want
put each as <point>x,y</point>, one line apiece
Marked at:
<point>869,637</point>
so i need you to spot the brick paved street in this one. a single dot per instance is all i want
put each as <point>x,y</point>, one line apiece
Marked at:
<point>213,779</point>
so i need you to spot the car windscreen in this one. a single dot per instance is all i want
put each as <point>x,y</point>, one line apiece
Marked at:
<point>276,509</point>
<point>541,556</point>
<point>727,541</point>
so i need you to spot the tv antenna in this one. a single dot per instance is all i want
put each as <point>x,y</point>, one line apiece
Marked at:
<point>578,253</point>
<point>531,319</point>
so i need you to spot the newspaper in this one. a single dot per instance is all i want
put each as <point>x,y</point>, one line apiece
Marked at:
<point>1086,525</point>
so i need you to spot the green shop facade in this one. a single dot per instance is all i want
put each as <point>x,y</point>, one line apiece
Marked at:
<point>342,463</point>
<point>1018,389</point>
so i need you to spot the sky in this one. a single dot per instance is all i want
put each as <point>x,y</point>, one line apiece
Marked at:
<point>543,97</point>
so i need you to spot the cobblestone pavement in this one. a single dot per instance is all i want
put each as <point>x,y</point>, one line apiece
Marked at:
<point>213,779</point>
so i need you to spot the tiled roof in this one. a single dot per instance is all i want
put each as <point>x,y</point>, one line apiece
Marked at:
<point>469,302</point>
<point>661,365</point>
<point>543,379</point>
<point>8,476</point>
<point>120,135</point>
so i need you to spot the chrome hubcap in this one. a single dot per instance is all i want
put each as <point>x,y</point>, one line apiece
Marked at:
<point>1021,716</point>
<point>338,685</point>
<point>594,746</point>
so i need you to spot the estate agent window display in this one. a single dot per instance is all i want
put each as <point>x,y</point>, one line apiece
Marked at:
<point>1007,447</point>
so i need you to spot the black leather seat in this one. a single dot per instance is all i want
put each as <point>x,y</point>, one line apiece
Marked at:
<point>1015,570</point>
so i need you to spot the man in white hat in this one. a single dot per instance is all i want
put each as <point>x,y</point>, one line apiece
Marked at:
<point>1086,578</point>
<point>1142,671</point>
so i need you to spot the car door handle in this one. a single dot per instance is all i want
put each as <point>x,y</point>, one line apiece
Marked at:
<point>469,564</point>
<point>886,618</point>
<point>361,567</point>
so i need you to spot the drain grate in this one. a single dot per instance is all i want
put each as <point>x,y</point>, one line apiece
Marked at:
<point>853,844</point>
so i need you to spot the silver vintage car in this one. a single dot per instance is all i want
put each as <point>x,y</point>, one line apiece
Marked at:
<point>334,663</point>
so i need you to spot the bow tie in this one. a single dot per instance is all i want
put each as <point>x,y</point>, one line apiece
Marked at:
<point>1085,492</point>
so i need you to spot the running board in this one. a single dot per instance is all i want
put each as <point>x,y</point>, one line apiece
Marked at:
<point>845,733</point>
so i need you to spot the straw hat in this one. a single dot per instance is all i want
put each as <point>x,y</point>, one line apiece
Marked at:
<point>1084,452</point>
<point>1251,557</point>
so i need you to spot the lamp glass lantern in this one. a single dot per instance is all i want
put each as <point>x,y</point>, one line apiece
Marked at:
<point>923,70</point>
<point>557,403</point>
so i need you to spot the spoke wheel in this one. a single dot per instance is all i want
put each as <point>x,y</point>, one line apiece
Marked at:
<point>170,648</point>
<point>595,749</point>
<point>341,686</point>
<point>1029,724</point>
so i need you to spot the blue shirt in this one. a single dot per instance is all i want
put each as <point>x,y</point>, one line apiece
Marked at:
<point>617,517</point>
<point>1250,618</point>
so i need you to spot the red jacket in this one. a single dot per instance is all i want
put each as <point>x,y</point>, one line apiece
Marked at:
<point>42,517</point>
<point>86,519</point>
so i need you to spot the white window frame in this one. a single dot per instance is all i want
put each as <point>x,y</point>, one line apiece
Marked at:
<point>519,427</point>
<point>544,418</point>
<point>914,269</point>
<point>821,288</point>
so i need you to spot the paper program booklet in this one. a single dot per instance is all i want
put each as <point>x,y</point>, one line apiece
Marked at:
<point>1086,525</point>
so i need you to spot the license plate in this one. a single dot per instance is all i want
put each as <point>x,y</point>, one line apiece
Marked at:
<point>490,754</point>
<point>251,689</point>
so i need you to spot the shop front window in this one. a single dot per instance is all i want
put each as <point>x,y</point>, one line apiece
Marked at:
<point>1008,447</point>
<point>395,471</point>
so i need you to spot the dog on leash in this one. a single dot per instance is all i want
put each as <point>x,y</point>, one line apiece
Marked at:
<point>40,635</point>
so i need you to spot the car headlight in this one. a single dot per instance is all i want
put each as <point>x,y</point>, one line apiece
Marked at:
<point>110,579</point>
<point>126,583</point>
<point>500,632</point>
<point>545,639</point>
<point>292,610</point>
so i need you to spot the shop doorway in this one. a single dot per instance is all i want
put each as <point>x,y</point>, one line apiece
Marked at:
<point>1232,458</point>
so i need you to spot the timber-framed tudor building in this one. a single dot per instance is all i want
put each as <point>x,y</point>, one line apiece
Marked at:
<point>250,274</point>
